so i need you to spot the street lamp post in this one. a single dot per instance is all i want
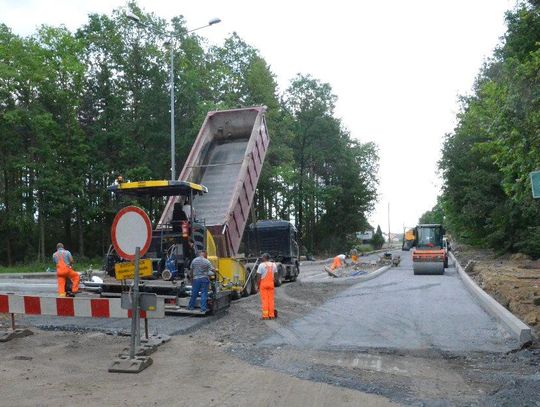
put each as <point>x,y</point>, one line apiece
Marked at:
<point>170,43</point>
<point>173,140</point>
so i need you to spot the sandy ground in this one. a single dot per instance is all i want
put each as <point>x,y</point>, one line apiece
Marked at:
<point>513,280</point>
<point>56,368</point>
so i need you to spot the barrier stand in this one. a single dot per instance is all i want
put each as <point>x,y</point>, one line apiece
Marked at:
<point>13,332</point>
<point>88,307</point>
<point>134,362</point>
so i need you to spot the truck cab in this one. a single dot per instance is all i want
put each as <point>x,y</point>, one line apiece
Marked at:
<point>279,239</point>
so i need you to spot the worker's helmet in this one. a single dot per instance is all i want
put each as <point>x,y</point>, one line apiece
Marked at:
<point>265,257</point>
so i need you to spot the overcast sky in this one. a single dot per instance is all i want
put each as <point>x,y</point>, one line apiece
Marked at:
<point>396,66</point>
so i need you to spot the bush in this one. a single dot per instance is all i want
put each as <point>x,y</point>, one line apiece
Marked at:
<point>364,248</point>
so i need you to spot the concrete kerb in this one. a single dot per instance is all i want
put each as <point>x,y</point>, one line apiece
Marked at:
<point>329,260</point>
<point>358,279</point>
<point>493,308</point>
<point>41,274</point>
<point>36,275</point>
<point>365,277</point>
<point>373,275</point>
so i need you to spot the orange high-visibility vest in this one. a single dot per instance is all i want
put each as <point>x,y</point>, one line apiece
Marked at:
<point>63,272</point>
<point>61,267</point>
<point>268,280</point>
<point>267,292</point>
<point>336,264</point>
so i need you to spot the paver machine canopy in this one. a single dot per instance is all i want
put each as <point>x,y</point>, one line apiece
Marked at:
<point>175,243</point>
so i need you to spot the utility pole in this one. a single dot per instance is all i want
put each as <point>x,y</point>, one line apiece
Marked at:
<point>389,240</point>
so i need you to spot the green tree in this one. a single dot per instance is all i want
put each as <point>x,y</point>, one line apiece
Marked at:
<point>435,215</point>
<point>378,239</point>
<point>487,159</point>
<point>78,109</point>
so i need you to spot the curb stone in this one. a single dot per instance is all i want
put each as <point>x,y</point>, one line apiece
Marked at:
<point>493,308</point>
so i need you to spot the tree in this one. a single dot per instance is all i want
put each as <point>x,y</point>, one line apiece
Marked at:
<point>435,215</point>
<point>78,109</point>
<point>378,239</point>
<point>487,159</point>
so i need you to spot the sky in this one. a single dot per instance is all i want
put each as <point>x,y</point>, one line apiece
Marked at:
<point>397,67</point>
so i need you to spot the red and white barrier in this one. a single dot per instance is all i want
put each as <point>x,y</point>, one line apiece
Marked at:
<point>72,307</point>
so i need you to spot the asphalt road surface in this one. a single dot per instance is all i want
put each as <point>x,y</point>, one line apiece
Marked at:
<point>28,285</point>
<point>396,310</point>
<point>399,310</point>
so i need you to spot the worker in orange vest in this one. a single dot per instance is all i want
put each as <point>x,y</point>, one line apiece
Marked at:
<point>354,256</point>
<point>339,261</point>
<point>63,260</point>
<point>265,280</point>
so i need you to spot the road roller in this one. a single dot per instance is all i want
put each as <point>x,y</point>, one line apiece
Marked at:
<point>430,254</point>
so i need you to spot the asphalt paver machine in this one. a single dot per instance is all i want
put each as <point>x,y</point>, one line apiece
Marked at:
<point>174,245</point>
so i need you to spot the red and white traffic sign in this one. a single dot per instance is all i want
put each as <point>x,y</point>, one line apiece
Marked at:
<point>131,228</point>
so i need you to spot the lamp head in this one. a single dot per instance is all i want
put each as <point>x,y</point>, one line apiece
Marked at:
<point>133,17</point>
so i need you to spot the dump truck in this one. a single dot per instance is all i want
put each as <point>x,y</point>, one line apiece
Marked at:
<point>429,255</point>
<point>216,186</point>
<point>278,238</point>
<point>408,240</point>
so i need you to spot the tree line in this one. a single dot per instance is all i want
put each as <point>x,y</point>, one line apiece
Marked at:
<point>486,198</point>
<point>78,109</point>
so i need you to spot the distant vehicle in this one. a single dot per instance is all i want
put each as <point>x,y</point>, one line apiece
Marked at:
<point>408,240</point>
<point>279,239</point>
<point>430,249</point>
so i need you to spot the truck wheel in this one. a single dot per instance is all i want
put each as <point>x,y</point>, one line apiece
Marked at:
<point>213,308</point>
<point>296,271</point>
<point>278,278</point>
<point>253,285</point>
<point>247,289</point>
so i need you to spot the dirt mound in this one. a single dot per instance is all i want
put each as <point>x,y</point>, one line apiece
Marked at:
<point>514,281</point>
<point>519,257</point>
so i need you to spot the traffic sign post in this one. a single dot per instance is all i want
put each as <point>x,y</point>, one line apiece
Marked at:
<point>135,317</point>
<point>131,235</point>
<point>535,184</point>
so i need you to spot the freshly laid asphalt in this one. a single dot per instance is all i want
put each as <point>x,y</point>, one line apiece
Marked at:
<point>399,310</point>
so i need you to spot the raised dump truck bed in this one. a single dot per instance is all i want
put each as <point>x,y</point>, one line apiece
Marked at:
<point>227,157</point>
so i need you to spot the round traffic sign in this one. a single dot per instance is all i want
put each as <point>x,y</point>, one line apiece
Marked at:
<point>131,228</point>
